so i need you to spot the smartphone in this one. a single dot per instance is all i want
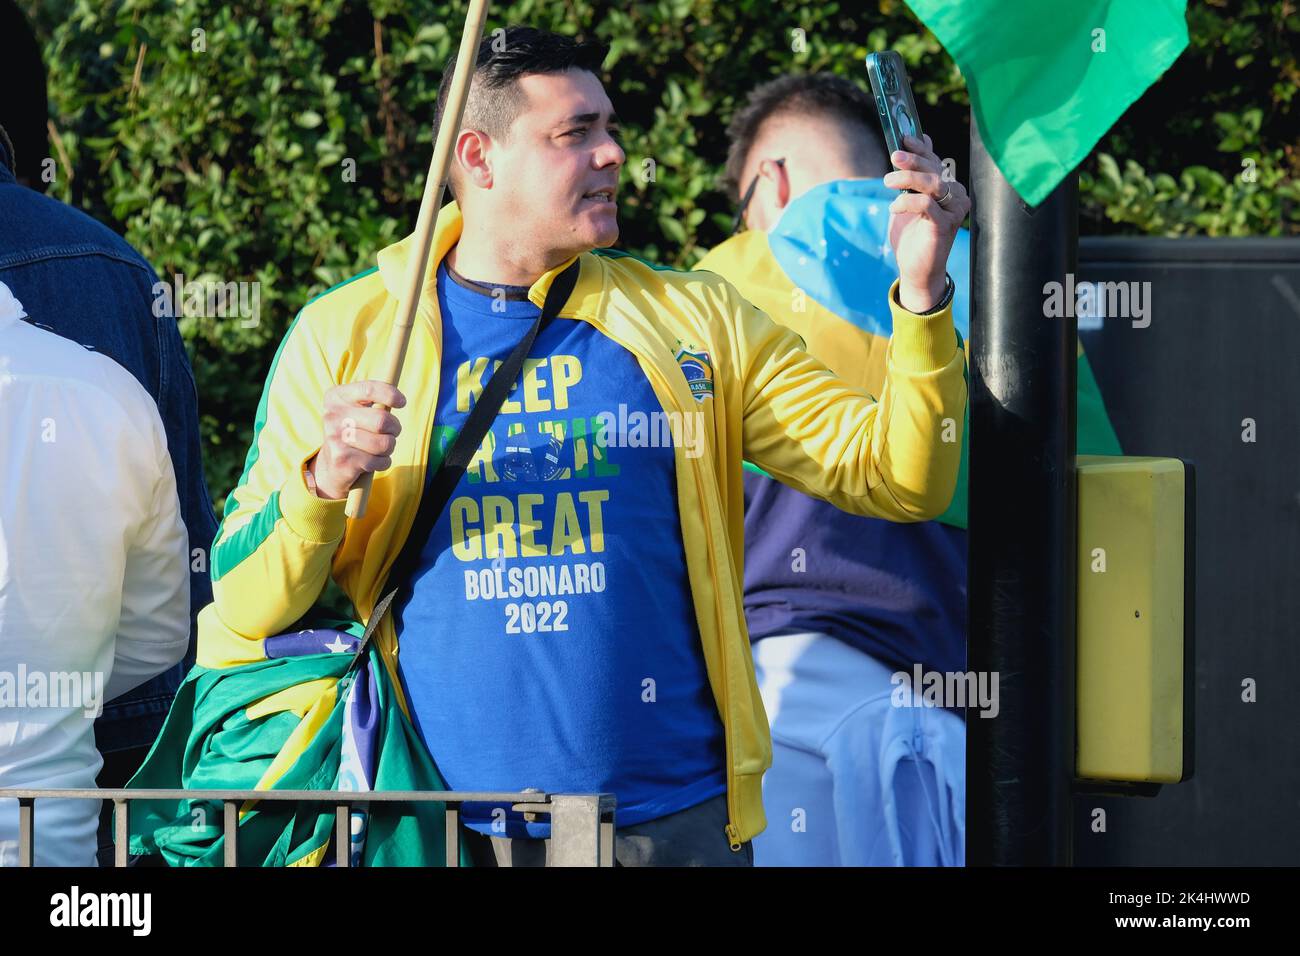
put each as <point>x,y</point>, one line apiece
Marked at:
<point>894,104</point>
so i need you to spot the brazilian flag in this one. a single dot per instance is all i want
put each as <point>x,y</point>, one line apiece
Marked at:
<point>318,714</point>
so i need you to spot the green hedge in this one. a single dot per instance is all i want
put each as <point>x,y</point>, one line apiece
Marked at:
<point>215,135</point>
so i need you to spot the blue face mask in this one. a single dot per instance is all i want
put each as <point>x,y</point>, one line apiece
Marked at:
<point>833,243</point>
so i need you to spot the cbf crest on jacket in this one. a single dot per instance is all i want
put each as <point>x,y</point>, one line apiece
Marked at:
<point>698,371</point>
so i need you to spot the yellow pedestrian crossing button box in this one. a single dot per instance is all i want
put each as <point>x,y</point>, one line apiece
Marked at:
<point>1135,668</point>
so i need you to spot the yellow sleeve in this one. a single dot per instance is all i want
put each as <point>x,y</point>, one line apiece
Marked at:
<point>272,556</point>
<point>894,457</point>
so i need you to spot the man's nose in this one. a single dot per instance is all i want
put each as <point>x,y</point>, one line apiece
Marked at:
<point>610,153</point>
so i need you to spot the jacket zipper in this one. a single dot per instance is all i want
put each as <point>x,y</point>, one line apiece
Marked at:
<point>731,829</point>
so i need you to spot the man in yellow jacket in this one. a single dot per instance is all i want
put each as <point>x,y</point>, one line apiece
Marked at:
<point>574,622</point>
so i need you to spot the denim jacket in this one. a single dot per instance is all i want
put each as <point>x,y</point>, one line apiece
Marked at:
<point>82,281</point>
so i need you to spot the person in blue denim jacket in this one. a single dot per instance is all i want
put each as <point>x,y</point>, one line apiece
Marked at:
<point>80,280</point>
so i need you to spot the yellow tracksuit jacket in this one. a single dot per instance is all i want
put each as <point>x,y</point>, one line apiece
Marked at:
<point>771,403</point>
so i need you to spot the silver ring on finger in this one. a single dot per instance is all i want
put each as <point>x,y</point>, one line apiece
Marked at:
<point>943,201</point>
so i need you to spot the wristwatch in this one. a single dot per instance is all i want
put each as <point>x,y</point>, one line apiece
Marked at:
<point>949,290</point>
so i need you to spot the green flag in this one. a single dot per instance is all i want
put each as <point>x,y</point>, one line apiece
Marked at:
<point>1047,78</point>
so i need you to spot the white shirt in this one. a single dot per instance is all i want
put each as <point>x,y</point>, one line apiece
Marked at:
<point>94,569</point>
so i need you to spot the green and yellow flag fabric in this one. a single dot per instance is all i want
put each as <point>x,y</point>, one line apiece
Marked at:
<point>318,714</point>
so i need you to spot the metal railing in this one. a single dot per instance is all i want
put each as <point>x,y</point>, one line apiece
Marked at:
<point>582,825</point>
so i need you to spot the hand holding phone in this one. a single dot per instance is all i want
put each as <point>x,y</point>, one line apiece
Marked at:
<point>924,221</point>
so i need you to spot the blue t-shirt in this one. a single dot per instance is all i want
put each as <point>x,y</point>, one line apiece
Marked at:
<point>550,639</point>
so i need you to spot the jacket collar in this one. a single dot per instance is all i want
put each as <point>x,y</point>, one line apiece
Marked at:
<point>394,261</point>
<point>641,334</point>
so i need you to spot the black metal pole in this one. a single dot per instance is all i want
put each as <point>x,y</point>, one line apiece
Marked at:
<point>1020,764</point>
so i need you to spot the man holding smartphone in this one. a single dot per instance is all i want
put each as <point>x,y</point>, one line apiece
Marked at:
<point>642,684</point>
<point>839,606</point>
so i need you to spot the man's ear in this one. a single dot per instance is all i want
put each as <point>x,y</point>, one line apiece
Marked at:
<point>775,172</point>
<point>473,148</point>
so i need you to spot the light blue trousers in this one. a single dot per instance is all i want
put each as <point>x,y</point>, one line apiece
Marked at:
<point>855,780</point>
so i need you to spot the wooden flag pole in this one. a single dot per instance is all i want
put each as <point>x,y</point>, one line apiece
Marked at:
<point>445,143</point>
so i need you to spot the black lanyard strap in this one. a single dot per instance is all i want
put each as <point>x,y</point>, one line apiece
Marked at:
<point>439,486</point>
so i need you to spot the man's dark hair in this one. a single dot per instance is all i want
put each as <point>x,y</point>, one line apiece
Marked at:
<point>806,94</point>
<point>503,58</point>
